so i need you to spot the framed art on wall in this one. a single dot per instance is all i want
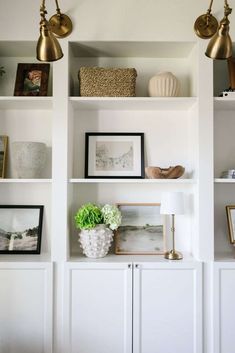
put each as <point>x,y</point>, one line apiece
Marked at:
<point>20,229</point>
<point>3,155</point>
<point>114,155</point>
<point>230,211</point>
<point>32,80</point>
<point>142,230</point>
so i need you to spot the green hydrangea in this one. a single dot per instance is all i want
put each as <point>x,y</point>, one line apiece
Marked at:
<point>112,216</point>
<point>88,216</point>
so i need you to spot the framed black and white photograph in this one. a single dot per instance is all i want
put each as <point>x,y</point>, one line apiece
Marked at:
<point>3,155</point>
<point>230,211</point>
<point>142,230</point>
<point>114,155</point>
<point>20,229</point>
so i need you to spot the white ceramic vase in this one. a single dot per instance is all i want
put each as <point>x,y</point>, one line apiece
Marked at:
<point>164,84</point>
<point>28,159</point>
<point>96,242</point>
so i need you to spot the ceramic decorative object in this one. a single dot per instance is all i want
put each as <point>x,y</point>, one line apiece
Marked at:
<point>164,84</point>
<point>29,159</point>
<point>96,242</point>
<point>164,173</point>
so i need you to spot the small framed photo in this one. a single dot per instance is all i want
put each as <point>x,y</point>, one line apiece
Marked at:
<point>230,211</point>
<point>3,155</point>
<point>142,230</point>
<point>20,229</point>
<point>32,80</point>
<point>114,155</point>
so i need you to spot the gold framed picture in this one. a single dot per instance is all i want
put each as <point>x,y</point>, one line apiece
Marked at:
<point>32,80</point>
<point>142,231</point>
<point>230,211</point>
<point>3,155</point>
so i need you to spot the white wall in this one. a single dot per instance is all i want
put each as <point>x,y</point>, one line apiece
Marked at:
<point>110,19</point>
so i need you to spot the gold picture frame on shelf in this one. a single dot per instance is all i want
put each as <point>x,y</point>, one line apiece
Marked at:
<point>230,211</point>
<point>3,155</point>
<point>142,231</point>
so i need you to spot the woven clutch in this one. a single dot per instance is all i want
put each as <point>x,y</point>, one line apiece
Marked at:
<point>101,82</point>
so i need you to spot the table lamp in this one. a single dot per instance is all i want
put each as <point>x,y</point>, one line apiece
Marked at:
<point>172,203</point>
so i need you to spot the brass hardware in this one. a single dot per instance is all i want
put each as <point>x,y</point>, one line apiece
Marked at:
<point>206,25</point>
<point>60,24</point>
<point>173,254</point>
<point>48,47</point>
<point>220,45</point>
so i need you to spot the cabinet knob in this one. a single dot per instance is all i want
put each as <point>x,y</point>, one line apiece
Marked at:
<point>129,266</point>
<point>137,266</point>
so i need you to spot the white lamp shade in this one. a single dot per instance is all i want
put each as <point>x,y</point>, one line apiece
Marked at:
<point>172,203</point>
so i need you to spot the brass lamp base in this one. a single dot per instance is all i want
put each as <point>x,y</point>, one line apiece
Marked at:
<point>173,255</point>
<point>60,25</point>
<point>205,26</point>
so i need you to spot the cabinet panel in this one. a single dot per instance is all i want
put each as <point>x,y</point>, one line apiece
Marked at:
<point>167,309</point>
<point>25,309</point>
<point>224,308</point>
<point>100,312</point>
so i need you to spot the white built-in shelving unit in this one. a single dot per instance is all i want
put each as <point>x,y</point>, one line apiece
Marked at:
<point>195,130</point>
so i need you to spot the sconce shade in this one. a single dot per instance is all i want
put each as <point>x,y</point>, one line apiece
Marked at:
<point>48,47</point>
<point>220,45</point>
<point>172,203</point>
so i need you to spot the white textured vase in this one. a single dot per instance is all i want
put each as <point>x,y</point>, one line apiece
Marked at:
<point>164,84</point>
<point>28,159</point>
<point>96,242</point>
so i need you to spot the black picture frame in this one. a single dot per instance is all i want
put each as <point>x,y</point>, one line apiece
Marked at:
<point>22,221</point>
<point>32,80</point>
<point>131,159</point>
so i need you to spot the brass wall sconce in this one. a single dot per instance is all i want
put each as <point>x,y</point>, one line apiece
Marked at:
<point>59,25</point>
<point>220,45</point>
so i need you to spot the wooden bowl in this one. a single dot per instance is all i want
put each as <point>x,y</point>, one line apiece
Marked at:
<point>164,173</point>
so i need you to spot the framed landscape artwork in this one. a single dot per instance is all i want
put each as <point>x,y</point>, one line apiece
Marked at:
<point>230,211</point>
<point>20,229</point>
<point>142,230</point>
<point>114,155</point>
<point>3,155</point>
<point>32,80</point>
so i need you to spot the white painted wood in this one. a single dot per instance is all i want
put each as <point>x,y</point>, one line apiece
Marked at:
<point>13,180</point>
<point>223,103</point>
<point>26,307</point>
<point>98,302</point>
<point>167,308</point>
<point>224,307</point>
<point>133,103</point>
<point>26,103</point>
<point>133,181</point>
<point>224,181</point>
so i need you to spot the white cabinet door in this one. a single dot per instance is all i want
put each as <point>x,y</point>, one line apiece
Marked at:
<point>25,308</point>
<point>98,308</point>
<point>224,306</point>
<point>167,308</point>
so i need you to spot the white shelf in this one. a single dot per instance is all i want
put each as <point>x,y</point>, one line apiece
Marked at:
<point>26,103</point>
<point>132,181</point>
<point>111,258</point>
<point>21,181</point>
<point>224,181</point>
<point>223,103</point>
<point>133,103</point>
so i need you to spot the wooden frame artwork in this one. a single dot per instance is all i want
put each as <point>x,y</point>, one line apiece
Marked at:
<point>32,80</point>
<point>114,155</point>
<point>21,229</point>
<point>142,230</point>
<point>3,155</point>
<point>230,211</point>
